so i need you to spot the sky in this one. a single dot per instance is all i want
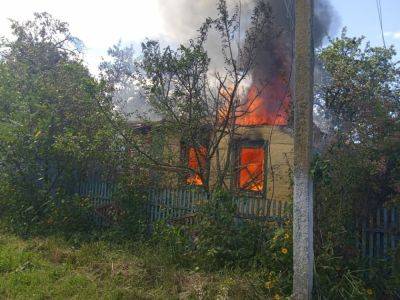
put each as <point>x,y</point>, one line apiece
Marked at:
<point>102,23</point>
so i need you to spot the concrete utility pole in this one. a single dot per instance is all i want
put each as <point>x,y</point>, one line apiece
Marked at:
<point>303,253</point>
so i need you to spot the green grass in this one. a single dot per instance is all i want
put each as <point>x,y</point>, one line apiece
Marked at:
<point>53,268</point>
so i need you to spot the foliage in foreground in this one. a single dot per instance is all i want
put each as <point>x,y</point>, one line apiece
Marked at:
<point>56,268</point>
<point>358,170</point>
<point>221,241</point>
<point>52,125</point>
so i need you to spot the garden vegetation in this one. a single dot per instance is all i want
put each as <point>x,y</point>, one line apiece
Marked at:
<point>59,124</point>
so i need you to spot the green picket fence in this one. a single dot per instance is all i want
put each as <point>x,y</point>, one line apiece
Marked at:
<point>167,204</point>
<point>100,194</point>
<point>380,233</point>
<point>174,204</point>
<point>170,203</point>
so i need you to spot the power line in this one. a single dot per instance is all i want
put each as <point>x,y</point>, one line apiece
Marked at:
<point>379,7</point>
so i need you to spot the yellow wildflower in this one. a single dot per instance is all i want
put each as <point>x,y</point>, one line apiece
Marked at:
<point>269,284</point>
<point>277,297</point>
<point>287,236</point>
<point>370,292</point>
<point>284,250</point>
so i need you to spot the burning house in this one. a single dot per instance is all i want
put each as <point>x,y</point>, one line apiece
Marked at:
<point>259,155</point>
<point>259,152</point>
<point>262,154</point>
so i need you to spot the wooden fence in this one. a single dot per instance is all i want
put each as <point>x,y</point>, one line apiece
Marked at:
<point>101,196</point>
<point>380,234</point>
<point>174,204</point>
<point>99,192</point>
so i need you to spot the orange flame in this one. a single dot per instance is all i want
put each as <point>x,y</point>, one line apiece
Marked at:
<point>196,158</point>
<point>266,105</point>
<point>251,175</point>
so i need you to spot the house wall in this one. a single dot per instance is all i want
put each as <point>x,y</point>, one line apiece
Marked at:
<point>281,164</point>
<point>279,158</point>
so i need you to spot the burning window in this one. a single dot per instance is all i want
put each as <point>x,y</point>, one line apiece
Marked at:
<point>197,162</point>
<point>251,173</point>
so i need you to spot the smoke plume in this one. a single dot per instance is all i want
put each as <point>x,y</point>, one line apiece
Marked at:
<point>272,71</point>
<point>183,17</point>
<point>274,59</point>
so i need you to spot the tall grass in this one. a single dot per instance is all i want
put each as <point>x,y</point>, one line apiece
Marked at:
<point>54,268</point>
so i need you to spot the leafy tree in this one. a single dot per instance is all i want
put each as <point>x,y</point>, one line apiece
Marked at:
<point>358,171</point>
<point>362,90</point>
<point>362,97</point>
<point>51,120</point>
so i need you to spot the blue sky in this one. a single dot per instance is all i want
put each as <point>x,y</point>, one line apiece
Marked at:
<point>361,18</point>
<point>101,23</point>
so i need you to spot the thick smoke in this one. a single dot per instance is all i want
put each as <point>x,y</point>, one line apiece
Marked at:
<point>273,71</point>
<point>277,52</point>
<point>183,17</point>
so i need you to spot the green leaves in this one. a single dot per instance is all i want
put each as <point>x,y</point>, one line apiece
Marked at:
<point>52,122</point>
<point>357,171</point>
<point>362,86</point>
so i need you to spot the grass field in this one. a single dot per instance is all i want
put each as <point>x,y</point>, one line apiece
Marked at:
<point>53,268</point>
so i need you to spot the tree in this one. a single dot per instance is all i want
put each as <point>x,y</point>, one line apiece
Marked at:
<point>358,171</point>
<point>51,120</point>
<point>362,89</point>
<point>361,96</point>
<point>197,107</point>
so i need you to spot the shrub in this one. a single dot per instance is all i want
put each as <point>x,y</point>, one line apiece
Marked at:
<point>223,240</point>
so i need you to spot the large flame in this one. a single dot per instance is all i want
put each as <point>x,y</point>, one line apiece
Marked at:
<point>266,105</point>
<point>251,175</point>
<point>196,158</point>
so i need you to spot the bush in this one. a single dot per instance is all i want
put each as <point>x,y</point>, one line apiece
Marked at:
<point>340,201</point>
<point>172,243</point>
<point>40,212</point>
<point>221,238</point>
<point>131,199</point>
